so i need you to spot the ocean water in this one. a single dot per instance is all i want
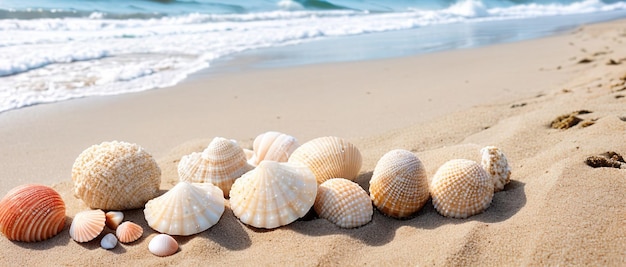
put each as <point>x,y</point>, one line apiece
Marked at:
<point>57,50</point>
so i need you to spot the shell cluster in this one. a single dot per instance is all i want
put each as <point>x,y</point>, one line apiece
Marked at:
<point>497,166</point>
<point>329,157</point>
<point>272,146</point>
<point>343,203</point>
<point>89,224</point>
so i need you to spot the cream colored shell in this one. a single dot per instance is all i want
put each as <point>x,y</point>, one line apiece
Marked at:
<point>497,166</point>
<point>273,194</point>
<point>329,157</point>
<point>461,188</point>
<point>273,146</point>
<point>399,185</point>
<point>115,176</point>
<point>343,203</point>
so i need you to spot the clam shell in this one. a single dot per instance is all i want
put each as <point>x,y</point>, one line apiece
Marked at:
<point>113,219</point>
<point>128,232</point>
<point>273,146</point>
<point>497,166</point>
<point>273,194</point>
<point>163,245</point>
<point>87,225</point>
<point>186,209</point>
<point>399,186</point>
<point>109,241</point>
<point>115,176</point>
<point>329,157</point>
<point>220,163</point>
<point>461,188</point>
<point>343,203</point>
<point>31,213</point>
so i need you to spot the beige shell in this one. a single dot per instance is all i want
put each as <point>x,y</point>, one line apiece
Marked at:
<point>113,219</point>
<point>186,209</point>
<point>329,157</point>
<point>343,203</point>
<point>273,194</point>
<point>163,245</point>
<point>87,225</point>
<point>31,213</point>
<point>115,176</point>
<point>497,166</point>
<point>273,146</point>
<point>128,232</point>
<point>399,186</point>
<point>461,188</point>
<point>220,163</point>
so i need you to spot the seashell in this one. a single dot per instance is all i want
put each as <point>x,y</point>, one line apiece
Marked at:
<point>163,245</point>
<point>87,225</point>
<point>329,157</point>
<point>109,241</point>
<point>115,176</point>
<point>186,209</point>
<point>220,163</point>
<point>343,203</point>
<point>495,163</point>
<point>399,186</point>
<point>31,213</point>
<point>273,194</point>
<point>128,232</point>
<point>273,146</point>
<point>461,188</point>
<point>114,218</point>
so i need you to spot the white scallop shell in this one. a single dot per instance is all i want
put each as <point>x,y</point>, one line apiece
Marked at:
<point>497,166</point>
<point>109,241</point>
<point>344,203</point>
<point>163,245</point>
<point>87,225</point>
<point>273,146</point>
<point>329,157</point>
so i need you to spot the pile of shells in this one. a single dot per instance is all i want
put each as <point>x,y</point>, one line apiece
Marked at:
<point>89,224</point>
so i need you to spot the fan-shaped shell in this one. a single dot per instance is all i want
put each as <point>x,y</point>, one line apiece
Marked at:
<point>329,157</point>
<point>115,176</point>
<point>497,166</point>
<point>128,232</point>
<point>273,146</point>
<point>343,203</point>
<point>31,213</point>
<point>220,163</point>
<point>399,186</point>
<point>273,194</point>
<point>163,245</point>
<point>87,225</point>
<point>186,209</point>
<point>114,218</point>
<point>461,188</point>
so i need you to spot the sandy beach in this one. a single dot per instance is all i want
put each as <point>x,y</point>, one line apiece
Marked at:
<point>441,106</point>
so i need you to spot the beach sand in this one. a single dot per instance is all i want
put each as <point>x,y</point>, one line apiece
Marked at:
<point>441,106</point>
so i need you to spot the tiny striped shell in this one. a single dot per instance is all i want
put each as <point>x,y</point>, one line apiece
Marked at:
<point>399,186</point>
<point>461,188</point>
<point>128,232</point>
<point>31,213</point>
<point>221,163</point>
<point>109,241</point>
<point>87,225</point>
<point>273,146</point>
<point>114,218</point>
<point>343,203</point>
<point>497,166</point>
<point>329,157</point>
<point>163,245</point>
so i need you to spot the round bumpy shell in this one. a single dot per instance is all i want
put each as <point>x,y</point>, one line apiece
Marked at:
<point>497,166</point>
<point>329,157</point>
<point>343,203</point>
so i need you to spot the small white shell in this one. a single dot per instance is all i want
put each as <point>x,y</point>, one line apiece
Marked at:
<point>273,146</point>
<point>87,225</point>
<point>344,203</point>
<point>114,218</point>
<point>128,232</point>
<point>329,157</point>
<point>163,245</point>
<point>495,163</point>
<point>109,241</point>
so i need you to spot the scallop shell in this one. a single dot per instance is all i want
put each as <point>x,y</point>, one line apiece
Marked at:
<point>343,203</point>
<point>497,166</point>
<point>273,194</point>
<point>115,176</point>
<point>128,232</point>
<point>220,163</point>
<point>273,146</point>
<point>186,209</point>
<point>399,186</point>
<point>109,241</point>
<point>329,157</point>
<point>114,218</point>
<point>461,188</point>
<point>87,225</point>
<point>31,213</point>
<point>163,245</point>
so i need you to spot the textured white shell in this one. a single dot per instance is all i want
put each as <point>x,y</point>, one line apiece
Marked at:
<point>495,163</point>
<point>273,146</point>
<point>114,218</point>
<point>163,245</point>
<point>273,194</point>
<point>343,203</point>
<point>399,186</point>
<point>115,176</point>
<point>109,241</point>
<point>329,157</point>
<point>87,225</point>
<point>128,232</point>
<point>220,163</point>
<point>186,209</point>
<point>461,188</point>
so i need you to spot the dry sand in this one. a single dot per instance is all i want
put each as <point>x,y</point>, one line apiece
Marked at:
<point>555,211</point>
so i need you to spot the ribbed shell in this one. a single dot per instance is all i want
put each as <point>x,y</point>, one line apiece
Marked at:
<point>273,194</point>
<point>128,232</point>
<point>31,213</point>
<point>399,186</point>
<point>329,157</point>
<point>115,176</point>
<point>87,225</point>
<point>273,146</point>
<point>343,203</point>
<point>220,163</point>
<point>461,188</point>
<point>497,166</point>
<point>186,209</point>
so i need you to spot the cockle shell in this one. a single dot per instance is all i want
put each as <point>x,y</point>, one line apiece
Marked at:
<point>114,218</point>
<point>461,188</point>
<point>163,245</point>
<point>343,203</point>
<point>128,232</point>
<point>399,186</point>
<point>273,146</point>
<point>220,163</point>
<point>186,209</point>
<point>109,241</point>
<point>497,166</point>
<point>31,213</point>
<point>329,157</point>
<point>87,225</point>
<point>273,194</point>
<point>115,176</point>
